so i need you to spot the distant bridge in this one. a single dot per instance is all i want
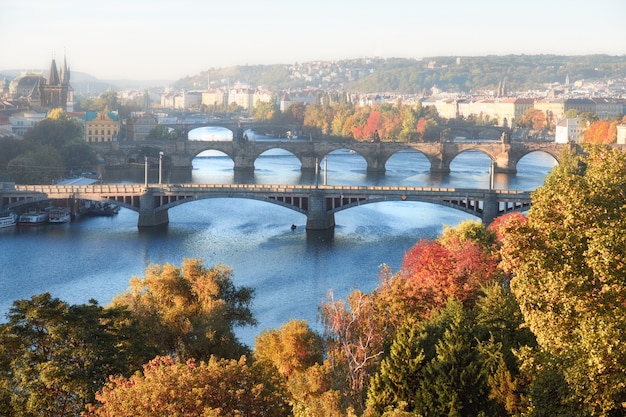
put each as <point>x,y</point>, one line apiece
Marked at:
<point>180,154</point>
<point>318,202</point>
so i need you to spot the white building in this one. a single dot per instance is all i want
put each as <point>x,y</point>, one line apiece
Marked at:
<point>621,134</point>
<point>22,122</point>
<point>568,130</point>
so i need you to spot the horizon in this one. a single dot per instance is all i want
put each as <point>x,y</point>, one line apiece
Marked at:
<point>155,41</point>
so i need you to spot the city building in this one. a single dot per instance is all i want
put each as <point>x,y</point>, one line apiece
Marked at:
<point>568,130</point>
<point>621,134</point>
<point>103,126</point>
<point>139,125</point>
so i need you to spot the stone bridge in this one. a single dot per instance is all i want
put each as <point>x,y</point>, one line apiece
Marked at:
<point>504,155</point>
<point>318,202</point>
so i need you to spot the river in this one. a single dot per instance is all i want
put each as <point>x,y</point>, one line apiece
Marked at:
<point>291,271</point>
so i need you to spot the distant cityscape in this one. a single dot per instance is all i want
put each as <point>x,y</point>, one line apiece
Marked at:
<point>26,99</point>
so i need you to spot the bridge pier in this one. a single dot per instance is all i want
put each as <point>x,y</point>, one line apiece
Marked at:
<point>490,208</point>
<point>148,215</point>
<point>317,217</point>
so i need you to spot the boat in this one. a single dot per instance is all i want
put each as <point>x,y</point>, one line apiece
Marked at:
<point>59,215</point>
<point>103,209</point>
<point>8,218</point>
<point>33,217</point>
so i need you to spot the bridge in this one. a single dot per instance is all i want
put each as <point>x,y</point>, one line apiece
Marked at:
<point>318,203</point>
<point>504,155</point>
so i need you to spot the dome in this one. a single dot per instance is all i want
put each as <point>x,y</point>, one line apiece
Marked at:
<point>24,86</point>
<point>211,133</point>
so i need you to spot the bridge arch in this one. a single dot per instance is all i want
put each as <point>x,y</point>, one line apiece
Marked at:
<point>474,211</point>
<point>301,210</point>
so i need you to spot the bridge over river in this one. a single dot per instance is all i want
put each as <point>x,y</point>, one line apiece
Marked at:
<point>504,154</point>
<point>318,202</point>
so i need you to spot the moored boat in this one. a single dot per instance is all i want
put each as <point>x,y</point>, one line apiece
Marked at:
<point>8,218</point>
<point>59,215</point>
<point>33,217</point>
<point>103,209</point>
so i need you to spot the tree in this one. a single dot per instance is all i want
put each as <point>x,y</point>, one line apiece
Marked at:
<point>435,367</point>
<point>44,165</point>
<point>55,130</point>
<point>569,266</point>
<point>355,338</point>
<point>456,265</point>
<point>296,353</point>
<point>191,311</point>
<point>56,356</point>
<point>215,388</point>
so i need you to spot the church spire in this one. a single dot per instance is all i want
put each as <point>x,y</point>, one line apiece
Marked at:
<point>53,77</point>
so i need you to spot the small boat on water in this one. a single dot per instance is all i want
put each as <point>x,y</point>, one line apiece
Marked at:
<point>33,217</point>
<point>59,215</point>
<point>8,218</point>
<point>103,209</point>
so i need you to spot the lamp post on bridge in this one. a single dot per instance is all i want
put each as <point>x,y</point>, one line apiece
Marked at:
<point>145,175</point>
<point>160,166</point>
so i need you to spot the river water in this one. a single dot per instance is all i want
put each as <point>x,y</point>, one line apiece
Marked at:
<point>291,271</point>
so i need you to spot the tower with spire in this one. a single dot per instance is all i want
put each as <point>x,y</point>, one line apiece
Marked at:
<point>56,91</point>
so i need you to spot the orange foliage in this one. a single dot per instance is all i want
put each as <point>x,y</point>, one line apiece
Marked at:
<point>601,132</point>
<point>432,272</point>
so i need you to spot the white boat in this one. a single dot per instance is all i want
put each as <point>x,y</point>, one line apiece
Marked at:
<point>8,218</point>
<point>59,215</point>
<point>33,217</point>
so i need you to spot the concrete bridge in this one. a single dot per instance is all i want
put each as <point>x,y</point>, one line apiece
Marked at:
<point>504,155</point>
<point>319,203</point>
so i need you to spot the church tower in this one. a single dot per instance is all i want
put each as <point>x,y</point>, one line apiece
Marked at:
<point>56,92</point>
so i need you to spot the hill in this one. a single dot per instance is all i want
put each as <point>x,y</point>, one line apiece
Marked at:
<point>410,76</point>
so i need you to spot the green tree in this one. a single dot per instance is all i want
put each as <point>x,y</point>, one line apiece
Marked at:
<point>55,131</point>
<point>44,165</point>
<point>56,356</point>
<point>570,269</point>
<point>190,311</point>
<point>435,367</point>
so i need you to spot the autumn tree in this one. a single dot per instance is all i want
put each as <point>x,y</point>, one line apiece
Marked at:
<point>569,266</point>
<point>56,356</point>
<point>296,353</point>
<point>601,132</point>
<point>455,265</point>
<point>191,311</point>
<point>215,388</point>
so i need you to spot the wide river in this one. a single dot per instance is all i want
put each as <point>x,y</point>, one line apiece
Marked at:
<point>291,271</point>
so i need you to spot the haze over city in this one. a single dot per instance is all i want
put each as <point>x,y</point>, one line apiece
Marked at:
<point>166,40</point>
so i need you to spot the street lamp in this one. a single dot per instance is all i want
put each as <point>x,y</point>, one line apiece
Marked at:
<point>145,175</point>
<point>160,166</point>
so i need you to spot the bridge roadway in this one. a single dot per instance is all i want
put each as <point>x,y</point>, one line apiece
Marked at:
<point>318,202</point>
<point>505,155</point>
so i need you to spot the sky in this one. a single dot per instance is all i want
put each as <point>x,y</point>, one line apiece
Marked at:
<point>169,40</point>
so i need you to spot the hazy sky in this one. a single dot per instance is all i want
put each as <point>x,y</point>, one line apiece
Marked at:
<point>157,39</point>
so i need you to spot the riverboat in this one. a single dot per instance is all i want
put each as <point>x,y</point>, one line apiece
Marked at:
<point>59,215</point>
<point>8,218</point>
<point>33,217</point>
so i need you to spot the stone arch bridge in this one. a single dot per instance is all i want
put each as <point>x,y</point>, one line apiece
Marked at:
<point>319,203</point>
<point>504,155</point>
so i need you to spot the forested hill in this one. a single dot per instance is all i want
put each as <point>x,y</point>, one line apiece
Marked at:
<point>410,76</point>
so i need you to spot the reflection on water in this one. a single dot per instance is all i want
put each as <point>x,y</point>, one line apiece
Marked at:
<point>290,270</point>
